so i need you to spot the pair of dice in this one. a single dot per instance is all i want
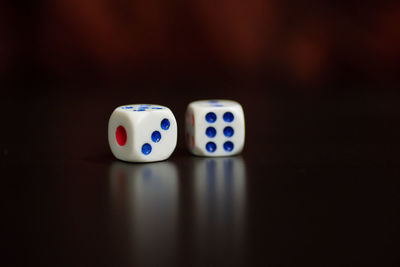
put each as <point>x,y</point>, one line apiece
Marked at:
<point>146,133</point>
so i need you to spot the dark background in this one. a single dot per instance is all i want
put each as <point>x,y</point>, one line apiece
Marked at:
<point>319,84</point>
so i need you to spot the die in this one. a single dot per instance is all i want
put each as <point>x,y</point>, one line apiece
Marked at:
<point>142,133</point>
<point>215,128</point>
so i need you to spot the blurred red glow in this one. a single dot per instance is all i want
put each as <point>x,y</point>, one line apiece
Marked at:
<point>307,44</point>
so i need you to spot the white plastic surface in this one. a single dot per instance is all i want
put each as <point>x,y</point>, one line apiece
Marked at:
<point>139,122</point>
<point>196,125</point>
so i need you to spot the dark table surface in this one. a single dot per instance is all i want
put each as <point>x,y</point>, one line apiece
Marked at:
<point>317,182</point>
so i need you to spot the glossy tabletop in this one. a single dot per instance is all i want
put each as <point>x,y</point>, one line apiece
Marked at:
<point>317,182</point>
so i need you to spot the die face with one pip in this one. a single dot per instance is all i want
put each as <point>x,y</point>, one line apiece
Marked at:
<point>142,133</point>
<point>215,128</point>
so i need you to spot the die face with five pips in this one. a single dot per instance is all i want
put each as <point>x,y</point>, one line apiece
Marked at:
<point>142,133</point>
<point>215,128</point>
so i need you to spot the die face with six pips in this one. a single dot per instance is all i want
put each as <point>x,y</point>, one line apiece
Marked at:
<point>215,128</point>
<point>142,133</point>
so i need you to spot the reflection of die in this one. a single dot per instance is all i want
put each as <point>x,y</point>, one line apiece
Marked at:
<point>144,203</point>
<point>215,127</point>
<point>142,133</point>
<point>219,189</point>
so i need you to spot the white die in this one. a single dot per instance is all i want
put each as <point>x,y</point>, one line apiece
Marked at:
<point>142,133</point>
<point>215,128</point>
